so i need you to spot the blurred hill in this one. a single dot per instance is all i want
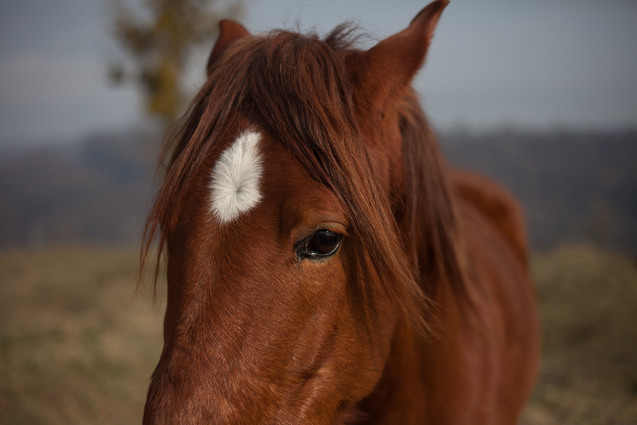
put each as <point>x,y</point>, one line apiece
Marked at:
<point>575,186</point>
<point>95,192</point>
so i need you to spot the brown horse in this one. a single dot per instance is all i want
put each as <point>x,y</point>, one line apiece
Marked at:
<point>324,266</point>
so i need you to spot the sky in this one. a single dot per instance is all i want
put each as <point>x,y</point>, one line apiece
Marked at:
<point>537,64</point>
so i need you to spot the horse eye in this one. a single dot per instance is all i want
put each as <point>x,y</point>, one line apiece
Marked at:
<point>321,244</point>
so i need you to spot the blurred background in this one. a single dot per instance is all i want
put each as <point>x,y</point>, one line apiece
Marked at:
<point>541,95</point>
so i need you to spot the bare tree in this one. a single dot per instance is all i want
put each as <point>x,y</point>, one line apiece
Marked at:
<point>158,36</point>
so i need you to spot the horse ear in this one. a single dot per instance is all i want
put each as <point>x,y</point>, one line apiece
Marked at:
<point>229,32</point>
<point>386,70</point>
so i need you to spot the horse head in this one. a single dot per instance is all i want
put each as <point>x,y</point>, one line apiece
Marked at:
<point>294,243</point>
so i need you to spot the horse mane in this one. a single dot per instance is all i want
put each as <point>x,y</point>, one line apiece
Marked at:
<point>297,87</point>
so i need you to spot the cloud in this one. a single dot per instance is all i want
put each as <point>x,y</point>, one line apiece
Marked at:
<point>29,79</point>
<point>61,96</point>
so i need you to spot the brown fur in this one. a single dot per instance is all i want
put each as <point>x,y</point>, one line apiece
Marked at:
<point>424,315</point>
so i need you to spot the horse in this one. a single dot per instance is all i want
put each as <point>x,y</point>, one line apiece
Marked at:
<point>324,264</point>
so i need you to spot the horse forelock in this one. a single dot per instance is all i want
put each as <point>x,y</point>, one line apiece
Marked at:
<point>299,89</point>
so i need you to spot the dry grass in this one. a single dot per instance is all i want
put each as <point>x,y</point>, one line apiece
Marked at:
<point>76,346</point>
<point>588,307</point>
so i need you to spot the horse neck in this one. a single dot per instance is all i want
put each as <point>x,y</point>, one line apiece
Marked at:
<point>428,222</point>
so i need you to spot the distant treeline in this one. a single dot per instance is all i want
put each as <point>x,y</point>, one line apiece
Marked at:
<point>576,187</point>
<point>97,192</point>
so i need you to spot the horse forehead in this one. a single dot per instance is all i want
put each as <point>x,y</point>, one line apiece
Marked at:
<point>235,179</point>
<point>253,169</point>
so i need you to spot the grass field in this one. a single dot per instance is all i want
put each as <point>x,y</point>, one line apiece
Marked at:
<point>588,308</point>
<point>77,346</point>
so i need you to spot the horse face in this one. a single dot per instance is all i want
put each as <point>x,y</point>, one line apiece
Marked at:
<point>263,324</point>
<point>276,312</point>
